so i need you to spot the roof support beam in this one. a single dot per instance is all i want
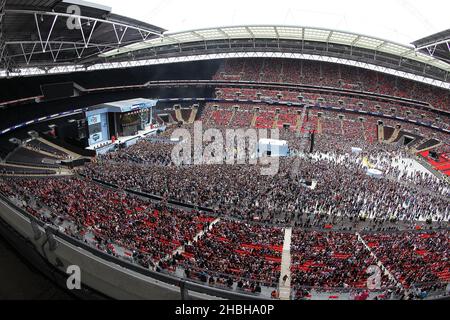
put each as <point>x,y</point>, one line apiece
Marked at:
<point>119,39</point>
<point>83,18</point>
<point>55,56</point>
<point>434,44</point>
<point>351,40</point>
<point>344,61</point>
<point>2,43</point>
<point>381,45</point>
<point>355,40</point>
<point>2,9</point>
<point>250,32</point>
<point>108,45</point>
<point>6,63</point>
<point>276,32</point>
<point>405,53</point>
<point>303,38</point>
<point>179,39</point>
<point>27,60</point>
<point>90,35</point>
<point>2,49</point>
<point>55,48</point>
<point>39,31</point>
<point>198,35</point>
<point>53,21</point>
<point>144,35</point>
<point>278,35</point>
<point>227,36</point>
<point>329,36</point>
<point>431,50</point>
<point>50,32</point>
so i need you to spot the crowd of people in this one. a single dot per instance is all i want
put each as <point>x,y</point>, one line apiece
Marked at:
<point>150,231</point>
<point>240,191</point>
<point>144,152</point>
<point>330,75</point>
<point>415,259</point>
<point>240,242</point>
<point>246,252</point>
<point>231,253</point>
<point>331,260</point>
<point>362,104</point>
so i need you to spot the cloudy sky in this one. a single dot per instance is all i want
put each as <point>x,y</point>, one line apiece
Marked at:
<point>397,20</point>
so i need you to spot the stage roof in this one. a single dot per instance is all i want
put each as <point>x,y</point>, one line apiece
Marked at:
<point>128,105</point>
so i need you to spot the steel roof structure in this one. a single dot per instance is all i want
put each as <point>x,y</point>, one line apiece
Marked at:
<point>379,48</point>
<point>436,45</point>
<point>39,42</point>
<point>48,33</point>
<point>285,33</point>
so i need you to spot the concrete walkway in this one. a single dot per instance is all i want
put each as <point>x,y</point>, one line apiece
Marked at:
<point>58,171</point>
<point>180,249</point>
<point>380,264</point>
<point>285,286</point>
<point>70,153</point>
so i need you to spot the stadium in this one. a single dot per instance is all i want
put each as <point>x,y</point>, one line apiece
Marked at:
<point>142,157</point>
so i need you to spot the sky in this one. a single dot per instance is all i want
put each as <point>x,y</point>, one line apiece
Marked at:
<point>400,21</point>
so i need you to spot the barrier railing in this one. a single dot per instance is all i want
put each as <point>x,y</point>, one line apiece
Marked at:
<point>183,284</point>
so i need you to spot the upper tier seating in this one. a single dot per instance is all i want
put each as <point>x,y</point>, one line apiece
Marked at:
<point>332,75</point>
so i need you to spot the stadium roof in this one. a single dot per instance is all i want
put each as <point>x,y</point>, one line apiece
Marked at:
<point>39,38</point>
<point>401,21</point>
<point>45,33</point>
<point>436,45</point>
<point>292,42</point>
<point>289,33</point>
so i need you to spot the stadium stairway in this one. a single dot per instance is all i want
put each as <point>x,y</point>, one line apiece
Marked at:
<point>280,76</point>
<point>275,121</point>
<point>299,122</point>
<point>180,250</point>
<point>394,135</point>
<point>178,115</point>
<point>285,286</point>
<point>158,119</point>
<point>201,233</point>
<point>363,131</point>
<point>70,153</point>
<point>342,127</point>
<point>415,143</point>
<point>172,117</point>
<point>193,114</point>
<point>319,126</point>
<point>233,115</point>
<point>427,145</point>
<point>387,131</point>
<point>380,133</point>
<point>379,263</point>
<point>57,171</point>
<point>255,115</point>
<point>39,151</point>
<point>261,71</point>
